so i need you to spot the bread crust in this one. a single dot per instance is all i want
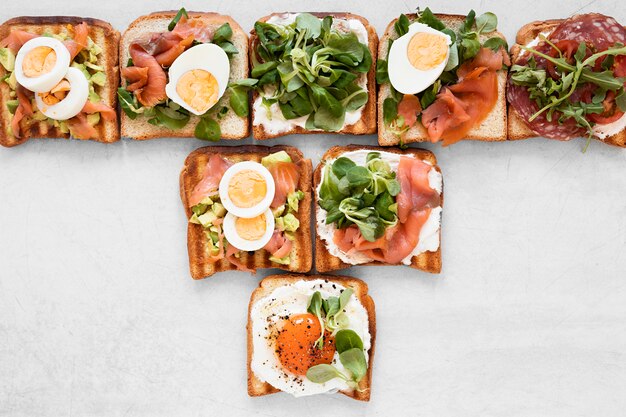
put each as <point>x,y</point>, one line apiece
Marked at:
<point>517,128</point>
<point>493,128</point>
<point>105,36</point>
<point>129,128</point>
<point>256,387</point>
<point>324,261</point>
<point>199,264</point>
<point>367,123</point>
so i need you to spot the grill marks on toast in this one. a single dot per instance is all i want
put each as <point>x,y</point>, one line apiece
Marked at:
<point>324,261</point>
<point>256,387</point>
<point>199,264</point>
<point>103,34</point>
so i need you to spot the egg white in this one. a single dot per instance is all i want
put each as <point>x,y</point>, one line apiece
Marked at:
<point>208,57</point>
<point>247,212</point>
<point>46,81</point>
<point>293,299</point>
<point>404,77</point>
<point>73,102</point>
<point>231,235</point>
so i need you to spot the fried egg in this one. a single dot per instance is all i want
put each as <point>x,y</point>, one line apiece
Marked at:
<point>198,78</point>
<point>249,233</point>
<point>66,99</point>
<point>283,335</point>
<point>247,189</point>
<point>417,59</point>
<point>41,63</point>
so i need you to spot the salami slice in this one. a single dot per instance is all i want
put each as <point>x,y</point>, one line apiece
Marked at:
<point>597,31</point>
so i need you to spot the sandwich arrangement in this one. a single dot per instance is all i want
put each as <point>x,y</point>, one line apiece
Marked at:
<point>442,79</point>
<point>176,70</point>
<point>58,78</point>
<point>248,208</point>
<point>567,80</point>
<point>311,335</point>
<point>378,207</point>
<point>313,73</point>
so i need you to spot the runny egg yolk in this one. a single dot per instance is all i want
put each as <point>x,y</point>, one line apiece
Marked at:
<point>427,50</point>
<point>251,229</point>
<point>39,61</point>
<point>199,89</point>
<point>247,188</point>
<point>296,347</point>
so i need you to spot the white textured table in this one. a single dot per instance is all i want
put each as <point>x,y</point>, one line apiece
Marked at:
<point>98,314</point>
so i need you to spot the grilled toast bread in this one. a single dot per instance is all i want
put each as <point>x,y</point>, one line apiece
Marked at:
<point>102,34</point>
<point>492,129</point>
<point>256,387</point>
<point>232,126</point>
<point>199,263</point>
<point>517,127</point>
<point>324,261</point>
<point>367,123</point>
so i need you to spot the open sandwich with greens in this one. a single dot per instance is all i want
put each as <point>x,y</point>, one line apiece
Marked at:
<point>312,73</point>
<point>58,79</point>
<point>248,208</point>
<point>179,72</point>
<point>378,206</point>
<point>311,335</point>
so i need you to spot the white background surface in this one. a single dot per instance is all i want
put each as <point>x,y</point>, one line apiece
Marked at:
<point>99,316</point>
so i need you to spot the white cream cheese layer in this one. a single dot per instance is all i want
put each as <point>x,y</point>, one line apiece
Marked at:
<point>266,320</point>
<point>429,234</point>
<point>271,118</point>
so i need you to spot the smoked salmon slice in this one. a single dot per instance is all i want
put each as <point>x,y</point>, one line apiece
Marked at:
<point>193,27</point>
<point>80,127</point>
<point>166,58</point>
<point>230,257</point>
<point>16,40</point>
<point>79,41</point>
<point>209,184</point>
<point>24,108</point>
<point>415,191</point>
<point>409,108</point>
<point>137,76</point>
<point>279,246</point>
<point>105,111</point>
<point>154,91</point>
<point>286,177</point>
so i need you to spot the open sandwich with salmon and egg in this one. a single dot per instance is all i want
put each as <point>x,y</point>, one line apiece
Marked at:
<point>567,80</point>
<point>378,206</point>
<point>58,79</point>
<point>311,335</point>
<point>178,77</point>
<point>442,79</point>
<point>248,208</point>
<point>313,73</point>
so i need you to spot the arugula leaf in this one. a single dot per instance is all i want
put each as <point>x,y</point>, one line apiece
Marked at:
<point>208,129</point>
<point>382,73</point>
<point>170,117</point>
<point>223,33</point>
<point>486,22</point>
<point>402,25</point>
<point>182,12</point>
<point>390,110</point>
<point>428,18</point>
<point>496,43</point>
<point>128,103</point>
<point>306,22</point>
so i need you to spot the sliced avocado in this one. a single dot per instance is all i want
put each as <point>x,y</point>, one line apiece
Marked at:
<point>93,96</point>
<point>12,105</point>
<point>82,68</point>
<point>218,210</point>
<point>278,211</point>
<point>94,66</point>
<point>206,219</point>
<point>283,261</point>
<point>93,47</point>
<point>7,59</point>
<point>272,158</point>
<point>287,223</point>
<point>293,200</point>
<point>99,79</point>
<point>211,244</point>
<point>93,119</point>
<point>194,219</point>
<point>39,116</point>
<point>12,81</point>
<point>63,127</point>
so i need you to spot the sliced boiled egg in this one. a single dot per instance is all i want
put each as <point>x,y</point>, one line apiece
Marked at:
<point>247,189</point>
<point>198,78</point>
<point>417,59</point>
<point>249,234</point>
<point>41,63</point>
<point>66,99</point>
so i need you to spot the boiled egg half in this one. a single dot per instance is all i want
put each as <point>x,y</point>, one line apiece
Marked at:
<point>198,78</point>
<point>417,59</point>
<point>41,63</point>
<point>249,234</point>
<point>247,189</point>
<point>66,99</point>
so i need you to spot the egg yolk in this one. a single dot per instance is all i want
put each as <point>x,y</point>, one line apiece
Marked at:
<point>251,229</point>
<point>296,347</point>
<point>57,93</point>
<point>427,50</point>
<point>39,61</point>
<point>199,89</point>
<point>247,188</point>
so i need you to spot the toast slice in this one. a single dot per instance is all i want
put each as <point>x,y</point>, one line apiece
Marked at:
<point>324,261</point>
<point>199,263</point>
<point>103,34</point>
<point>232,126</point>
<point>492,129</point>
<point>367,123</point>
<point>517,127</point>
<point>256,387</point>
